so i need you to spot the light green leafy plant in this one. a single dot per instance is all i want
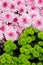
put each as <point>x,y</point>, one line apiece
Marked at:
<point>28,50</point>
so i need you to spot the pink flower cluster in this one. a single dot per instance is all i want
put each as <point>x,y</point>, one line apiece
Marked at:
<point>17,15</point>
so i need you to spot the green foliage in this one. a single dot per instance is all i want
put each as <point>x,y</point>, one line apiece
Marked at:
<point>8,59</point>
<point>29,47</point>
<point>39,63</point>
<point>38,48</point>
<point>28,39</point>
<point>33,63</point>
<point>9,46</point>
<point>41,57</point>
<point>40,43</point>
<point>35,30</point>
<point>36,54</point>
<point>40,35</point>
<point>33,38</point>
<point>5,58</point>
<point>29,31</point>
<point>25,51</point>
<point>22,42</point>
<point>26,63</point>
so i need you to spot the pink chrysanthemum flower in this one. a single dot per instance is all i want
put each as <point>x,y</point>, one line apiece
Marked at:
<point>11,34</point>
<point>39,3</point>
<point>17,15</point>
<point>4,27</point>
<point>1,17</point>
<point>19,29</point>
<point>38,23</point>
<point>32,7</point>
<point>7,16</point>
<point>4,4</point>
<point>1,35</point>
<point>25,21</point>
<point>19,2</point>
<point>33,14</point>
<point>12,6</point>
<point>22,9</point>
<point>41,11</point>
<point>15,19</point>
<point>0,23</point>
<point>29,2</point>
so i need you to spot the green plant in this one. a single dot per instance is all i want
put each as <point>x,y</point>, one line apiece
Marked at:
<point>40,35</point>
<point>28,50</point>
<point>9,46</point>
